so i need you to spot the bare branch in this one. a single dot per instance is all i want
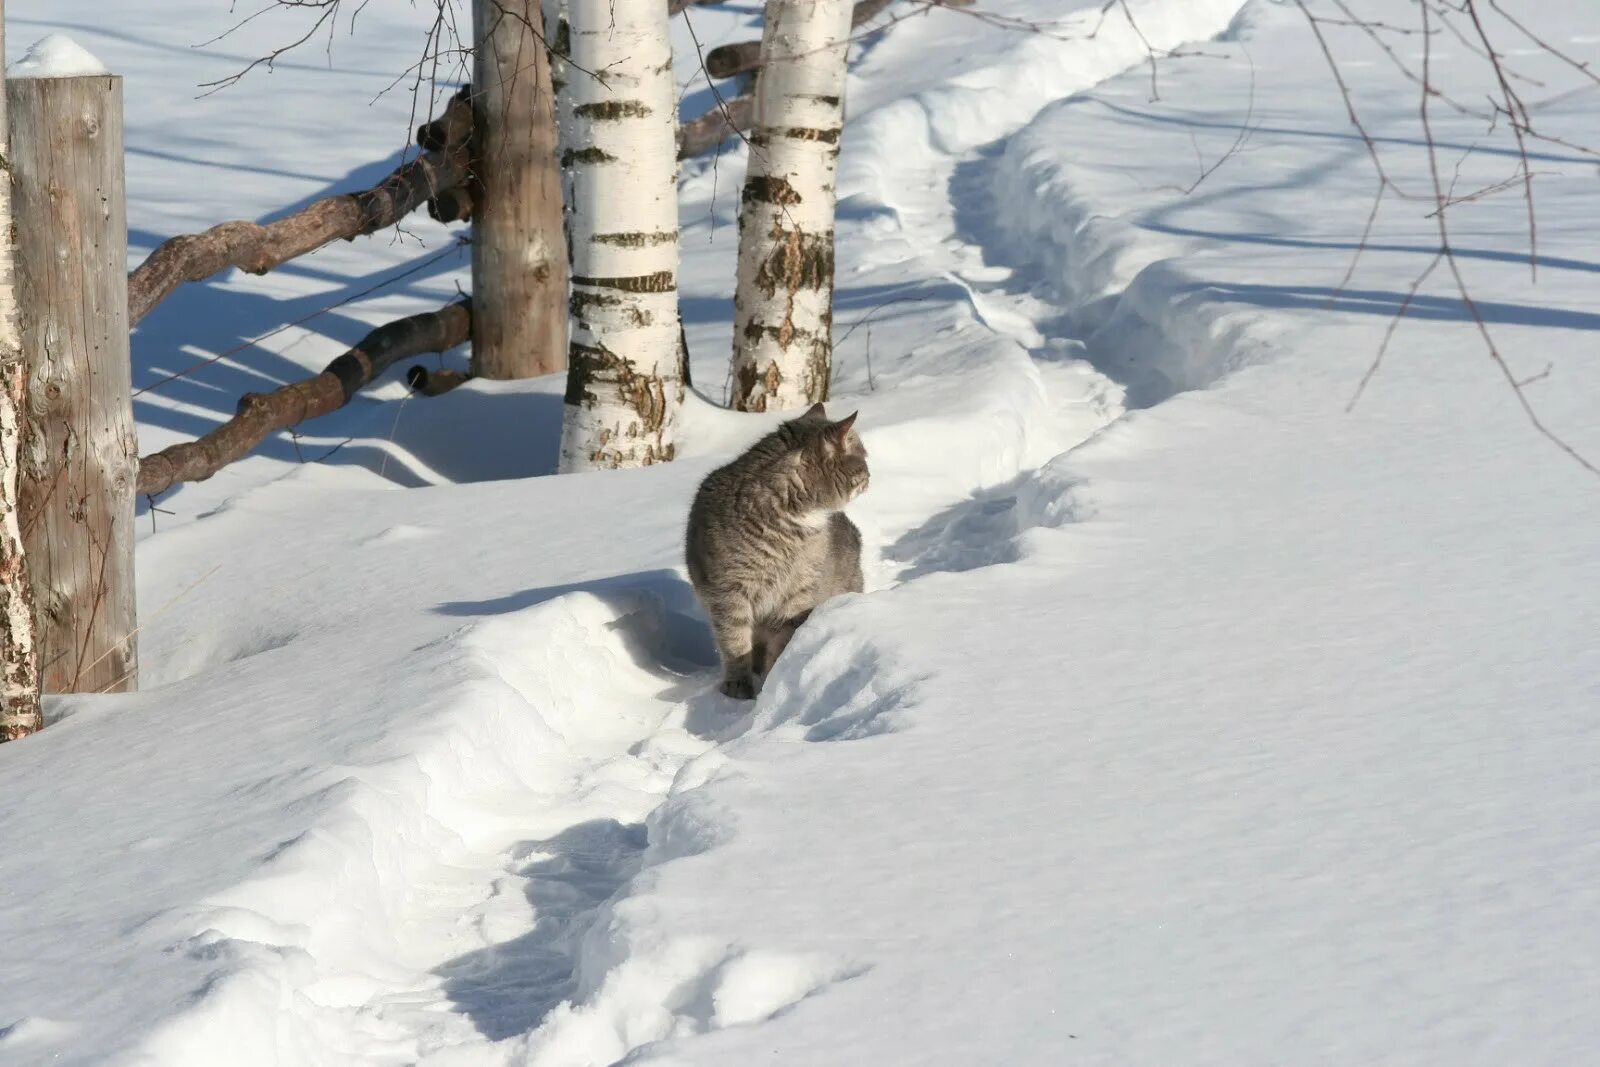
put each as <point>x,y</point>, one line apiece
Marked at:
<point>258,248</point>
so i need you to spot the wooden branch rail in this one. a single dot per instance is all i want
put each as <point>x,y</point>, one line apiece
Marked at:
<point>258,248</point>
<point>261,414</point>
<point>727,60</point>
<point>735,114</point>
<point>724,61</point>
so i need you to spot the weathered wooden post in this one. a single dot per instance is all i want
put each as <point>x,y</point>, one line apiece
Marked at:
<point>80,457</point>
<point>519,260</point>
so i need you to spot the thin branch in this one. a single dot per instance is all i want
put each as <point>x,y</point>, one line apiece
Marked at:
<point>258,248</point>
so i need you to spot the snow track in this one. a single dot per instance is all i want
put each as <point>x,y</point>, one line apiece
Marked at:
<point>508,905</point>
<point>1189,718</point>
<point>476,883</point>
<point>598,977</point>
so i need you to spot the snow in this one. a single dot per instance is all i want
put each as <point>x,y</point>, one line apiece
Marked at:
<point>55,56</point>
<point>1192,714</point>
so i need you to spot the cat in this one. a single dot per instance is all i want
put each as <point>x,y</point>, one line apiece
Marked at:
<point>768,540</point>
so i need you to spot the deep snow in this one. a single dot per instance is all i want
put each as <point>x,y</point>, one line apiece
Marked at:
<point>1189,717</point>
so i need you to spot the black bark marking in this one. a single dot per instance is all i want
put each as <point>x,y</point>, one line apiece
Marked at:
<point>663,281</point>
<point>595,367</point>
<point>769,190</point>
<point>586,155</point>
<point>810,133</point>
<point>612,110</point>
<point>636,239</point>
<point>798,260</point>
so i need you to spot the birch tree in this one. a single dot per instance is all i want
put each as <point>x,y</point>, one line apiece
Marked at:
<point>558,40</point>
<point>783,307</point>
<point>625,368</point>
<point>19,658</point>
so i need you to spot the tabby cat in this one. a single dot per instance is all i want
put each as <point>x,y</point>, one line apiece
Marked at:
<point>768,540</point>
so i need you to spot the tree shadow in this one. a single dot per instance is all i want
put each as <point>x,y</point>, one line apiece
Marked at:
<point>220,315</point>
<point>980,531</point>
<point>674,645</point>
<point>508,988</point>
<point>681,645</point>
<point>1389,302</point>
<point>478,432</point>
<point>187,52</point>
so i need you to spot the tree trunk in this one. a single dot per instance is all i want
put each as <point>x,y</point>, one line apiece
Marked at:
<point>519,274</point>
<point>783,307</point>
<point>625,374</point>
<point>19,660</point>
<point>79,454</point>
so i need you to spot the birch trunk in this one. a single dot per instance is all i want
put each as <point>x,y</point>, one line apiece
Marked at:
<point>558,39</point>
<point>625,369</point>
<point>783,307</point>
<point>19,656</point>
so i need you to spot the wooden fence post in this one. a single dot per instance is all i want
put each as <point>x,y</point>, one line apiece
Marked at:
<point>80,457</point>
<point>519,260</point>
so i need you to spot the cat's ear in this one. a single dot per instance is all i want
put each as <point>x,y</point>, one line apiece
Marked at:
<point>841,429</point>
<point>815,411</point>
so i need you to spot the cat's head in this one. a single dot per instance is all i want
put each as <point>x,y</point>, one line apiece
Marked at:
<point>833,461</point>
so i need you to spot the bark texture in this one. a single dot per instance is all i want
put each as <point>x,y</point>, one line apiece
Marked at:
<point>260,247</point>
<point>261,414</point>
<point>519,269</point>
<point>558,36</point>
<point>783,306</point>
<point>625,364</point>
<point>19,660</point>
<point>79,452</point>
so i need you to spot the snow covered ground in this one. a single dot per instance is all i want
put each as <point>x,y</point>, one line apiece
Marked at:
<point>1190,717</point>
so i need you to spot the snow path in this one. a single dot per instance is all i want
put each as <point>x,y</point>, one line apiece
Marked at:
<point>924,196</point>
<point>533,878</point>
<point>1272,731</point>
<point>491,801</point>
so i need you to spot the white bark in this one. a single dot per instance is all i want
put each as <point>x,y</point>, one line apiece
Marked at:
<point>19,657</point>
<point>558,38</point>
<point>625,373</point>
<point>783,307</point>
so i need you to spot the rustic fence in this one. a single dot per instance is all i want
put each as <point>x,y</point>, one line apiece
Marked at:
<point>81,472</point>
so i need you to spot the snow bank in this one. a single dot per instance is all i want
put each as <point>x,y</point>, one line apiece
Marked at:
<point>1211,732</point>
<point>55,56</point>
